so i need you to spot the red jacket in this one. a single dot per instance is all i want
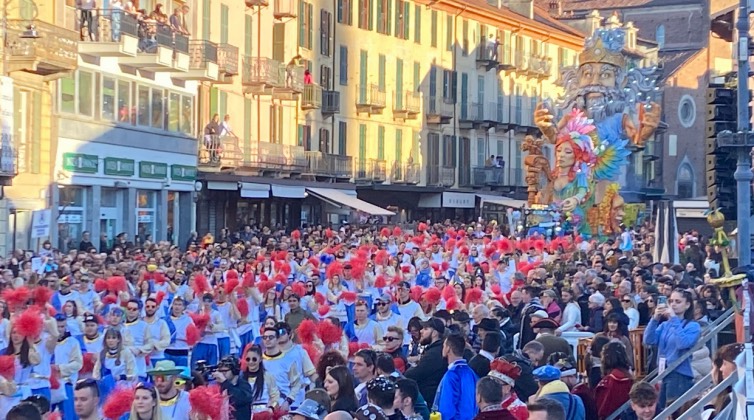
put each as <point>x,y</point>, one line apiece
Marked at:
<point>612,392</point>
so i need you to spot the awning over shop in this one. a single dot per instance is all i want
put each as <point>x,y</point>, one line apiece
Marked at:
<point>340,198</point>
<point>253,190</point>
<point>222,186</point>
<point>501,201</point>
<point>288,191</point>
<point>430,201</point>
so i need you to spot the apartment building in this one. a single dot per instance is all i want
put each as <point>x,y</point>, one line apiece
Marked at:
<point>390,102</point>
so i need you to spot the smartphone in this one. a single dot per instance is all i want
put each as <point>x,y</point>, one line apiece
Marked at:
<point>662,300</point>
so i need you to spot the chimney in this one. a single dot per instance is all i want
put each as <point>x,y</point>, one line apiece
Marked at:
<point>522,7</point>
<point>556,8</point>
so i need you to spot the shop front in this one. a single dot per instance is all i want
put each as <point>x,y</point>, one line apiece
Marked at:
<point>438,207</point>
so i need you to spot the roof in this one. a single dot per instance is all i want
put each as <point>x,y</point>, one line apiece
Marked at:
<point>589,5</point>
<point>671,61</point>
<point>541,15</point>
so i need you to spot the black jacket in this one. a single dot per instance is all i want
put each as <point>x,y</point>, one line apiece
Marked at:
<point>240,398</point>
<point>525,386</point>
<point>526,333</point>
<point>480,365</point>
<point>429,371</point>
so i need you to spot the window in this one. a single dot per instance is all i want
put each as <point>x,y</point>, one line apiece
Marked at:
<point>187,114</point>
<point>449,148</point>
<point>67,102</point>
<point>343,76</point>
<point>383,16</point>
<point>449,32</point>
<point>417,77</point>
<point>108,98</point>
<point>174,112</point>
<point>325,76</point>
<point>362,146</point>
<point>85,88</point>
<point>687,111</point>
<point>685,181</point>
<point>465,46</point>
<point>365,14</point>
<point>342,137</point>
<point>381,142</point>
<point>660,36</point>
<point>344,12</point>
<point>401,18</point>
<point>399,145</point>
<point>157,109</point>
<point>324,32</point>
<point>418,24</point>
<point>305,27</point>
<point>247,35</point>
<point>324,140</point>
<point>449,83</point>
<point>71,208</point>
<point>146,206</point>
<point>381,72</point>
<point>305,136</point>
<point>22,126</point>
<point>142,107</point>
<point>224,12</point>
<point>433,29</point>
<point>247,106</point>
<point>481,151</point>
<point>398,84</point>
<point>206,19</point>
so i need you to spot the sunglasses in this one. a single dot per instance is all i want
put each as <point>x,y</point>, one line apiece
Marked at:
<point>133,309</point>
<point>390,339</point>
<point>381,304</point>
<point>268,337</point>
<point>252,359</point>
<point>626,300</point>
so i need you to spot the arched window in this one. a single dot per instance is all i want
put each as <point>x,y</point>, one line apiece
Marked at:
<point>660,36</point>
<point>685,181</point>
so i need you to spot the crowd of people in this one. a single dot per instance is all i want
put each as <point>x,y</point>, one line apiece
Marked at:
<point>356,323</point>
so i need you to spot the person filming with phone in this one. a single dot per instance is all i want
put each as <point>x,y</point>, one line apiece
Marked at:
<point>228,375</point>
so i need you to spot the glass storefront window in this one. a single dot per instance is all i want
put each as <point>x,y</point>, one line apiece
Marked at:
<point>157,115</point>
<point>143,106</point>
<point>68,95</point>
<point>86,93</point>
<point>187,115</point>
<point>174,113</point>
<point>108,98</point>
<point>145,216</point>
<point>124,102</point>
<point>71,209</point>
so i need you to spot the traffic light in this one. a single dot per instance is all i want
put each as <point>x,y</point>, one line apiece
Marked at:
<point>721,162</point>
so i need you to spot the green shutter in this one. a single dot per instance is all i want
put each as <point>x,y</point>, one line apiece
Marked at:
<point>247,35</point>
<point>417,76</point>
<point>406,19</point>
<point>310,9</point>
<point>363,57</point>
<point>449,32</point>
<point>223,23</point>
<point>300,134</point>
<point>380,15</point>
<point>381,74</point>
<point>418,24</point>
<point>370,16</point>
<point>362,142</point>
<point>388,14</point>
<point>381,142</point>
<point>36,134</point>
<point>399,145</point>
<point>301,23</point>
<point>222,107</point>
<point>213,101</point>
<point>433,29</point>
<point>399,83</point>
<point>206,19</point>
<point>247,129</point>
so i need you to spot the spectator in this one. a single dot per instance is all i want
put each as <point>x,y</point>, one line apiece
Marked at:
<point>455,397</point>
<point>643,401</point>
<point>431,368</point>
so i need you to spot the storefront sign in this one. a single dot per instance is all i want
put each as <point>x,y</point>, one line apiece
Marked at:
<point>458,200</point>
<point>144,218</point>
<point>154,170</point>
<point>79,162</point>
<point>120,167</point>
<point>7,159</point>
<point>182,173</point>
<point>70,218</point>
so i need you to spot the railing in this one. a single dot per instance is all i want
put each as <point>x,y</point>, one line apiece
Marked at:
<point>315,163</point>
<point>540,65</point>
<point>488,176</point>
<point>505,56</point>
<point>227,59</point>
<point>413,102</point>
<point>412,173</point>
<point>709,334</point>
<point>284,9</point>
<point>260,71</point>
<point>295,156</point>
<point>379,167</point>
<point>464,176</point>
<point>330,102</point>
<point>370,95</point>
<point>54,46</point>
<point>293,76</point>
<point>217,151</point>
<point>361,170</point>
<point>201,52</point>
<point>442,176</point>
<point>439,106</point>
<point>487,51</point>
<point>370,170</point>
<point>340,166</point>
<point>312,97</point>
<point>397,171</point>
<point>265,155</point>
<point>110,25</point>
<point>493,112</point>
<point>695,410</point>
<point>476,111</point>
<point>522,61</point>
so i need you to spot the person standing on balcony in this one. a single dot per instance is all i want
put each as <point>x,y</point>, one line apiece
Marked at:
<point>307,77</point>
<point>86,7</point>
<point>184,24</point>
<point>492,47</point>
<point>225,128</point>
<point>211,131</point>
<point>289,70</point>
<point>116,11</point>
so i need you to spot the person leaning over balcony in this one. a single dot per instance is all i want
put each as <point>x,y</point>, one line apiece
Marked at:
<point>86,7</point>
<point>289,73</point>
<point>211,131</point>
<point>225,128</point>
<point>184,24</point>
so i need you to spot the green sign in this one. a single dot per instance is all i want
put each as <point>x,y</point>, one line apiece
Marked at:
<point>182,172</point>
<point>154,170</point>
<point>79,162</point>
<point>120,167</point>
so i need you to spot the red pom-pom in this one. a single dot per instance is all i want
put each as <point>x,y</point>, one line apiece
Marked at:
<point>329,233</point>
<point>192,335</point>
<point>201,285</point>
<point>381,257</point>
<point>159,297</point>
<point>448,292</point>
<point>323,310</point>
<point>496,290</point>
<point>264,286</point>
<point>42,295</point>
<point>397,231</point>
<point>299,289</point>
<point>306,331</point>
<point>54,381</point>
<point>51,312</point>
<point>314,262</point>
<point>349,297</point>
<point>422,227</point>
<point>55,415</point>
<point>445,266</point>
<point>280,278</point>
<point>417,240</point>
<point>433,295</point>
<point>405,269</point>
<point>329,333</point>
<point>117,284</point>
<point>200,320</point>
<point>100,285</point>
<point>451,304</point>
<point>435,266</point>
<point>16,298</point>
<point>353,347</point>
<point>243,307</point>
<point>474,296</point>
<point>489,251</point>
<point>88,363</point>
<point>260,258</point>
<point>539,245</point>
<point>110,300</point>
<point>159,278</point>
<point>384,232</point>
<point>286,269</point>
<point>248,279</point>
<point>416,293</point>
<point>505,246</point>
<point>312,351</point>
<point>320,298</point>
<point>399,365</point>
<point>230,285</point>
<point>380,281</point>
<point>118,403</point>
<point>296,235</point>
<point>29,323</point>
<point>450,245</point>
<point>231,274</point>
<point>208,401</point>
<point>333,269</point>
<point>264,277</point>
<point>8,367</point>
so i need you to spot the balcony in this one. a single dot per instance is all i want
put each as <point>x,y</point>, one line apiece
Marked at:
<point>441,176</point>
<point>330,102</point>
<point>412,173</point>
<point>284,9</point>
<point>487,55</point>
<point>265,156</point>
<point>217,154</point>
<point>295,158</point>
<point>328,166</point>
<point>256,3</point>
<point>540,67</point>
<point>227,62</point>
<point>472,116</point>
<point>291,83</point>
<point>260,75</point>
<point>312,97</point>
<point>404,173</point>
<point>160,51</point>
<point>115,33</point>
<point>371,99</point>
<point>439,110</point>
<point>521,63</point>
<point>202,62</point>
<point>406,105</point>
<point>505,61</point>
<point>369,170</point>
<point>487,176</point>
<point>52,53</point>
